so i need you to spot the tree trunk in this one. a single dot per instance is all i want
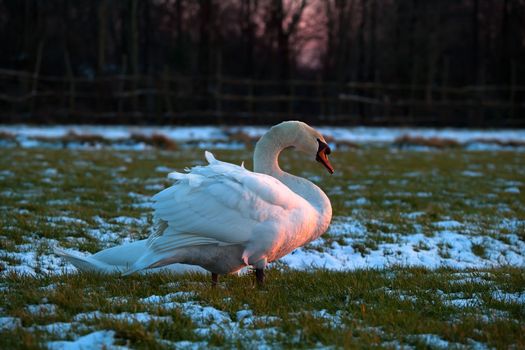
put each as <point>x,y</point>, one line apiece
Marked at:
<point>474,61</point>
<point>134,37</point>
<point>102,35</point>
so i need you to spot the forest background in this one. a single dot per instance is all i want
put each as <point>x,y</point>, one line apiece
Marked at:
<point>350,62</point>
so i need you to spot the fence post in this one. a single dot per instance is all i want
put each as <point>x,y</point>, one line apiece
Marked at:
<point>250,96</point>
<point>71,78</point>
<point>320,97</point>
<point>36,74</point>
<point>466,99</point>
<point>166,88</point>
<point>444,79</point>
<point>218,89</point>
<point>413,84</point>
<point>513,73</point>
<point>122,84</point>
<point>291,97</point>
<point>134,54</point>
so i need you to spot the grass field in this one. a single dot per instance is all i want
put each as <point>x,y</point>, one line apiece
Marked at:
<point>426,250</point>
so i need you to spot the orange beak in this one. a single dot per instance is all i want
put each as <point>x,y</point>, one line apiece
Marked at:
<point>322,156</point>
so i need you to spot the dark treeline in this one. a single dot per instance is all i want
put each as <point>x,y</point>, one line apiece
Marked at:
<point>452,43</point>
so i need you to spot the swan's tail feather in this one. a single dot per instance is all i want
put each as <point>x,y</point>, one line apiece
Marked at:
<point>112,260</point>
<point>85,263</point>
<point>125,259</point>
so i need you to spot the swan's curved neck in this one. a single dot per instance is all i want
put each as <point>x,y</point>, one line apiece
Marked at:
<point>265,160</point>
<point>266,154</point>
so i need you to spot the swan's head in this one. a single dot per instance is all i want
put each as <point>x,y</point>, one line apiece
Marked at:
<point>308,140</point>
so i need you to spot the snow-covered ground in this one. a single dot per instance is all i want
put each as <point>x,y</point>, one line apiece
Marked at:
<point>346,245</point>
<point>453,245</point>
<point>460,243</point>
<point>219,137</point>
<point>181,133</point>
<point>248,328</point>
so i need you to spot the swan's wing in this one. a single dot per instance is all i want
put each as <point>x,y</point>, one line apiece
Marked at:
<point>217,204</point>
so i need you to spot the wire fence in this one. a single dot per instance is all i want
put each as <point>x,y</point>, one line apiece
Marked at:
<point>173,99</point>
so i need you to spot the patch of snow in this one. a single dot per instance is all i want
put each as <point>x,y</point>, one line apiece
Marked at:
<point>357,202</point>
<point>92,341</point>
<point>42,309</point>
<point>433,340</point>
<point>243,314</point>
<point>518,298</point>
<point>486,147</point>
<point>511,224</point>
<point>343,226</point>
<point>202,315</point>
<point>462,303</point>
<point>444,249</point>
<point>31,262</point>
<point>50,172</point>
<point>399,294</point>
<point>436,342</point>
<point>220,145</point>
<point>334,321</point>
<point>448,224</point>
<point>469,173</point>
<point>6,173</point>
<point>384,135</point>
<point>103,235</point>
<point>126,220</point>
<point>59,328</point>
<point>58,202</point>
<point>396,344</point>
<point>145,205</point>
<point>210,320</point>
<point>9,323</point>
<point>164,169</point>
<point>141,317</point>
<point>154,187</point>
<point>156,299</point>
<point>66,220</point>
<point>476,345</point>
<point>413,174</point>
<point>470,280</point>
<point>423,194</point>
<point>413,215</point>
<point>189,345</point>
<point>512,190</point>
<point>118,300</point>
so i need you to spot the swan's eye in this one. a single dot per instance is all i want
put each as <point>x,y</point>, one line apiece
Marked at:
<point>323,147</point>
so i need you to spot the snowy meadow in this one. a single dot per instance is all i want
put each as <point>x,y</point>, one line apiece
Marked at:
<point>426,247</point>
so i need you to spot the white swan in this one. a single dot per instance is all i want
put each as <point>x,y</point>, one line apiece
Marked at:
<point>223,217</point>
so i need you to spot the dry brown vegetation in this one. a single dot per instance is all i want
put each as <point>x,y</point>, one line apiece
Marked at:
<point>156,140</point>
<point>73,137</point>
<point>346,144</point>
<point>242,137</point>
<point>341,144</point>
<point>502,143</point>
<point>4,135</point>
<point>433,142</point>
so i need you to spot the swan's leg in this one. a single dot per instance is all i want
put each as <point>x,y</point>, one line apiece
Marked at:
<point>214,279</point>
<point>259,275</point>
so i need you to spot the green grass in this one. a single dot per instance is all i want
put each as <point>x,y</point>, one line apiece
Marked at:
<point>363,308</point>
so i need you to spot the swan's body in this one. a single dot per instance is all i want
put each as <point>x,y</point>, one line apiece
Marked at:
<point>223,217</point>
